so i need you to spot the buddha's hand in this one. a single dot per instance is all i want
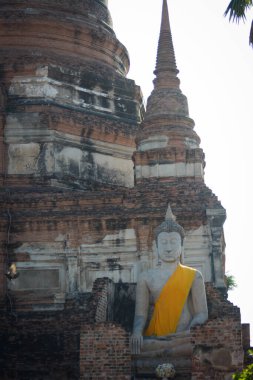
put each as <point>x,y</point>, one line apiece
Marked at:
<point>136,343</point>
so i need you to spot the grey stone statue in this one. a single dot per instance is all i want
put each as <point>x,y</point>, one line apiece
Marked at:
<point>159,290</point>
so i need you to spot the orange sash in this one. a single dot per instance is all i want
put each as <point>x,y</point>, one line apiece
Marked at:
<point>170,303</point>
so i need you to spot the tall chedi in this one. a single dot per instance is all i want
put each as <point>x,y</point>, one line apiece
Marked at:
<point>167,145</point>
<point>169,159</point>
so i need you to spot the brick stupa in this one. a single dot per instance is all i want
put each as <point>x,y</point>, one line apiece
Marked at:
<point>86,176</point>
<point>167,145</point>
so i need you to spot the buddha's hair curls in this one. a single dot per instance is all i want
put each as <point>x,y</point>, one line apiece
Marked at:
<point>170,225</point>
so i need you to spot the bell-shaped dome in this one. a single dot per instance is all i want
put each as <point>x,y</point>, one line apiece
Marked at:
<point>79,30</point>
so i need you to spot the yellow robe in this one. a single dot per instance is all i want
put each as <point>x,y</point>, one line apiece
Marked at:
<point>170,303</point>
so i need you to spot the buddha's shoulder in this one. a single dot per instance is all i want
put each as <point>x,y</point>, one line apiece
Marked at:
<point>197,272</point>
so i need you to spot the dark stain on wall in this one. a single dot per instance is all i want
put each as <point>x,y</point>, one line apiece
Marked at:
<point>124,305</point>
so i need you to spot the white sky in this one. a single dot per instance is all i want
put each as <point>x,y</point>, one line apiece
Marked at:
<point>216,73</point>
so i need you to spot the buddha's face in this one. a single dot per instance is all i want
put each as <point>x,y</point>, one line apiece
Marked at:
<point>169,246</point>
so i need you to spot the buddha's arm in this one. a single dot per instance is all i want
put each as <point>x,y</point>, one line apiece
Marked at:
<point>140,318</point>
<point>198,294</point>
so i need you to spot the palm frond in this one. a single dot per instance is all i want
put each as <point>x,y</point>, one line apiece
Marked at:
<point>237,9</point>
<point>251,34</point>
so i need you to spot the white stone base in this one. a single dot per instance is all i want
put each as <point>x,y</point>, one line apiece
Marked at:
<point>179,169</point>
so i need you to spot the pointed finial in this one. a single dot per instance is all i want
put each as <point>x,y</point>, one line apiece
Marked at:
<point>170,225</point>
<point>169,214</point>
<point>166,69</point>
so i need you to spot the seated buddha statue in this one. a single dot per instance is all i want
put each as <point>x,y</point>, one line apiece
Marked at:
<point>174,293</point>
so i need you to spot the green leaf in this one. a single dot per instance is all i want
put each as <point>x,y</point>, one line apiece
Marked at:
<point>245,374</point>
<point>237,9</point>
<point>251,35</point>
<point>230,281</point>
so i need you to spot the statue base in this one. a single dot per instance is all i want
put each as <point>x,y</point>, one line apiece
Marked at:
<point>175,349</point>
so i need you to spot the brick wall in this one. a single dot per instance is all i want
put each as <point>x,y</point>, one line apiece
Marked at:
<point>218,350</point>
<point>2,124</point>
<point>3,233</point>
<point>46,345</point>
<point>40,346</point>
<point>246,336</point>
<point>80,343</point>
<point>76,343</point>
<point>104,352</point>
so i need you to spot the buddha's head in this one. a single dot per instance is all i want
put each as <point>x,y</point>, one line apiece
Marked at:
<point>169,238</point>
<point>169,246</point>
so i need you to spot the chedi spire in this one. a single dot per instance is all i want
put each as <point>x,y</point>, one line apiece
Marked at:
<point>167,145</point>
<point>166,69</point>
<point>166,98</point>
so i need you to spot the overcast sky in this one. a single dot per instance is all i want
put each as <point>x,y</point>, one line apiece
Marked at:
<point>216,73</point>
